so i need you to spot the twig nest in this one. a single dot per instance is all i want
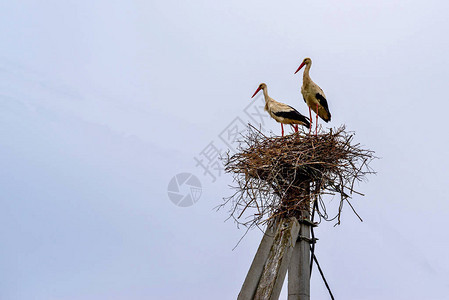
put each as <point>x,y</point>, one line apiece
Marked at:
<point>282,176</point>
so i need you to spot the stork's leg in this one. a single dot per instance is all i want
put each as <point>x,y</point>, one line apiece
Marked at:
<point>310,114</point>
<point>316,125</point>
<point>282,127</point>
<point>296,127</point>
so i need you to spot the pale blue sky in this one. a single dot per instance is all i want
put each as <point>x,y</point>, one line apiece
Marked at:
<point>103,102</point>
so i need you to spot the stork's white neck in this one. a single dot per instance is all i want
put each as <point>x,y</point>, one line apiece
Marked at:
<point>265,94</point>
<point>267,98</point>
<point>306,76</point>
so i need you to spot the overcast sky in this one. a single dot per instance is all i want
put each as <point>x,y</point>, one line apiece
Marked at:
<point>103,102</point>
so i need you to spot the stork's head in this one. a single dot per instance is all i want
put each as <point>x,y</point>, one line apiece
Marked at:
<point>261,87</point>
<point>306,61</point>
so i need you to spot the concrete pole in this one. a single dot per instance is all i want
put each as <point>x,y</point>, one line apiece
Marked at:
<point>299,268</point>
<point>273,275</point>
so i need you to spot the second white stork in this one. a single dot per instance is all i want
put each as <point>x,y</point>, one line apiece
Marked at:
<point>281,112</point>
<point>313,95</point>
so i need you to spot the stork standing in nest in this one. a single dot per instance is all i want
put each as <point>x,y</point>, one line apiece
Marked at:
<point>313,95</point>
<point>281,112</point>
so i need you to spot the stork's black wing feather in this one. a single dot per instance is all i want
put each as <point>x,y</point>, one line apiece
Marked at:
<point>323,103</point>
<point>293,115</point>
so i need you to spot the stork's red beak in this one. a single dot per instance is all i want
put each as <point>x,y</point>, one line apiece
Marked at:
<point>255,93</point>
<point>302,65</point>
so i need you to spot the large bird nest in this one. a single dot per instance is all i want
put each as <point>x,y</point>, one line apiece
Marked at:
<point>287,176</point>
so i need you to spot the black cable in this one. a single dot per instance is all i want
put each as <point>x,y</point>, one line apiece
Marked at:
<point>322,276</point>
<point>312,251</point>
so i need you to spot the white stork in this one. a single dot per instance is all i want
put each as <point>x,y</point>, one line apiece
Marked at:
<point>313,95</point>
<point>281,112</point>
